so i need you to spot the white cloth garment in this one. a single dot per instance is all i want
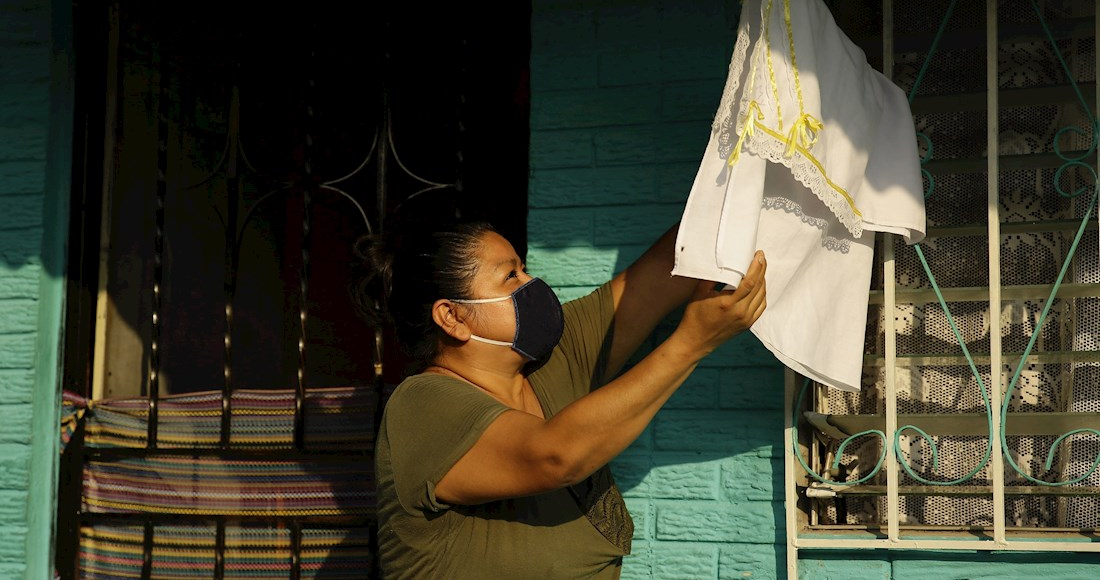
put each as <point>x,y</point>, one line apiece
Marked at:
<point>811,152</point>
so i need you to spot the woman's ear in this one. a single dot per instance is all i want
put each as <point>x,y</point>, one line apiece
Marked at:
<point>446,314</point>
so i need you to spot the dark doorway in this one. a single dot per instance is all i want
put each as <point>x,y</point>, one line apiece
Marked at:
<point>228,157</point>
<point>198,116</point>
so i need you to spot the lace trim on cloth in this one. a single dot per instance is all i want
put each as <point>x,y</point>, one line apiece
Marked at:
<point>735,124</point>
<point>790,206</point>
<point>806,171</point>
<point>605,508</point>
<point>725,120</point>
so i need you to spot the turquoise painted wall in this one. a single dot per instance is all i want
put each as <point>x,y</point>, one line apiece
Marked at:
<point>35,165</point>
<point>623,94</point>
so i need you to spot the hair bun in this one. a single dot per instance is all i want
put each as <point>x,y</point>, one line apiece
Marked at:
<point>372,276</point>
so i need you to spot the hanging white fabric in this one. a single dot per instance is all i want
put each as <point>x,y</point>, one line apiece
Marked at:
<point>811,152</point>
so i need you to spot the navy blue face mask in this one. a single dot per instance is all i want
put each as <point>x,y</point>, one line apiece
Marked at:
<point>539,319</point>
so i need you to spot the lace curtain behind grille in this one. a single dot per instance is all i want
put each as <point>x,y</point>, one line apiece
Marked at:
<point>959,198</point>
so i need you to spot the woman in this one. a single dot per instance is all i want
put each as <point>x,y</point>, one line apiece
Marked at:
<point>491,458</point>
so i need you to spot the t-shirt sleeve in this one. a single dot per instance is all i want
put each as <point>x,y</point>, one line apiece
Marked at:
<point>431,422</point>
<point>578,363</point>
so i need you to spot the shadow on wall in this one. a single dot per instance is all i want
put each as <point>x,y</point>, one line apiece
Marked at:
<point>30,124</point>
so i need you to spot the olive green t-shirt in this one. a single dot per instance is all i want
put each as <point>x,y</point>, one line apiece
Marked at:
<point>431,421</point>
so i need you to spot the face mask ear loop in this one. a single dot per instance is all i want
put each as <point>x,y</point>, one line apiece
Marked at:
<point>490,341</point>
<point>487,301</point>
<point>480,300</point>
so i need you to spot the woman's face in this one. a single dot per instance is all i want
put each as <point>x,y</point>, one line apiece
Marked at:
<point>500,272</point>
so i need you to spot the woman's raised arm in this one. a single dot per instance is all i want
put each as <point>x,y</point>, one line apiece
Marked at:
<point>521,454</point>
<point>644,294</point>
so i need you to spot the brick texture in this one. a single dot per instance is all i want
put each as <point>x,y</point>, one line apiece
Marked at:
<point>23,210</point>
<point>613,158</point>
<point>16,351</point>
<point>24,116</point>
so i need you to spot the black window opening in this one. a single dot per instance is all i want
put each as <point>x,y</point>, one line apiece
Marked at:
<point>305,128</point>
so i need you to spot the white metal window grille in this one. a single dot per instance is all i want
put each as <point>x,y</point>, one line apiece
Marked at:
<point>997,450</point>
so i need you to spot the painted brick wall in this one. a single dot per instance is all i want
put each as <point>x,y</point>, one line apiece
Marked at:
<point>623,94</point>
<point>24,114</point>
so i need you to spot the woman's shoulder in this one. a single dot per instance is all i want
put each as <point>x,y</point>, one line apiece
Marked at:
<point>420,380</point>
<point>430,385</point>
<point>437,395</point>
<point>429,404</point>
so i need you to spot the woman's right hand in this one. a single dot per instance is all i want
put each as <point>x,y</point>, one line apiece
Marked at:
<point>712,317</point>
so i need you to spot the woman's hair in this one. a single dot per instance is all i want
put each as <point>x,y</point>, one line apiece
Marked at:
<point>403,273</point>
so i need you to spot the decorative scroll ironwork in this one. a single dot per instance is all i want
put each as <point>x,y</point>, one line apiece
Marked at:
<point>1068,161</point>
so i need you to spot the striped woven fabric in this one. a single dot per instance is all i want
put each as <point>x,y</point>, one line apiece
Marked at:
<point>269,479</point>
<point>334,418</point>
<point>210,485</point>
<point>73,407</point>
<point>115,552</point>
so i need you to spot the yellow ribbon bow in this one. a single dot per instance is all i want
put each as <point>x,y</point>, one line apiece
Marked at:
<point>748,130</point>
<point>803,134</point>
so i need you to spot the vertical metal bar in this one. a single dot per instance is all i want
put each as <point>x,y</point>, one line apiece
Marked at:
<point>790,384</point>
<point>1092,119</point>
<point>379,379</point>
<point>819,454</point>
<point>163,99</point>
<point>383,162</point>
<point>381,209</point>
<point>996,466</point>
<point>219,549</point>
<point>147,552</point>
<point>300,394</point>
<point>380,194</point>
<point>889,306</point>
<point>295,550</point>
<point>232,259</point>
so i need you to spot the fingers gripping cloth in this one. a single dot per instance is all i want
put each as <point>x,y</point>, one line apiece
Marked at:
<point>811,152</point>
